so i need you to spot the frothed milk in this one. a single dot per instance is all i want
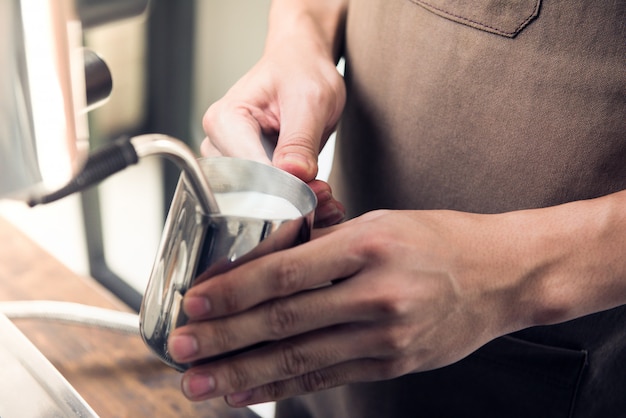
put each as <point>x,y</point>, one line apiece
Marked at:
<point>256,205</point>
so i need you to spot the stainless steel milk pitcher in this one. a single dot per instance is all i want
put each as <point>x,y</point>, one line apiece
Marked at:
<point>195,245</point>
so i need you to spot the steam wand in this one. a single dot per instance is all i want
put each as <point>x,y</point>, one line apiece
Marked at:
<point>124,152</point>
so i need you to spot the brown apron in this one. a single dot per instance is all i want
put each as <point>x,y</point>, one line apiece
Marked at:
<point>487,106</point>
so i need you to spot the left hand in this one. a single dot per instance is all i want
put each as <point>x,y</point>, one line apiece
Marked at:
<point>412,291</point>
<point>291,101</point>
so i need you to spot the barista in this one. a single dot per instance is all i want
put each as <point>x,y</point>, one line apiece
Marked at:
<point>481,159</point>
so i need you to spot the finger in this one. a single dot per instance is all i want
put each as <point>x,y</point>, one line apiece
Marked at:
<point>329,211</point>
<point>207,149</point>
<point>275,320</point>
<point>235,131</point>
<point>300,139</point>
<point>361,370</point>
<point>279,361</point>
<point>312,264</point>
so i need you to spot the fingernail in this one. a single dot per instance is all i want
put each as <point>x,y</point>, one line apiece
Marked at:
<point>297,159</point>
<point>239,397</point>
<point>198,385</point>
<point>196,306</point>
<point>182,347</point>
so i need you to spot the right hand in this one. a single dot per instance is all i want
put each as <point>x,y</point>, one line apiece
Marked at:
<point>292,97</point>
<point>412,291</point>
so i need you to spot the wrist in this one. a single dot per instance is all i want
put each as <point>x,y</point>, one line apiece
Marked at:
<point>571,262</point>
<point>316,26</point>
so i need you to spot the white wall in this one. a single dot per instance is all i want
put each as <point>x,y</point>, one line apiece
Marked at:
<point>229,40</point>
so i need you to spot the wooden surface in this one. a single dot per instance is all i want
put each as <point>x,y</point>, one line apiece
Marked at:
<point>115,373</point>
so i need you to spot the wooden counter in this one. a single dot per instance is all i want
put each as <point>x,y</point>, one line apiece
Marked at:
<point>115,373</point>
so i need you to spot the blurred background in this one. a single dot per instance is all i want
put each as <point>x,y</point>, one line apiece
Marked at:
<point>167,67</point>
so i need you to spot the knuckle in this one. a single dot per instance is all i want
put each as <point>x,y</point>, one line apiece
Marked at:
<point>290,277</point>
<point>316,381</point>
<point>315,92</point>
<point>275,390</point>
<point>308,383</point>
<point>230,297</point>
<point>293,361</point>
<point>211,116</point>
<point>299,138</point>
<point>223,339</point>
<point>220,113</point>
<point>238,377</point>
<point>395,340</point>
<point>377,246</point>
<point>299,142</point>
<point>375,240</point>
<point>392,306</point>
<point>281,319</point>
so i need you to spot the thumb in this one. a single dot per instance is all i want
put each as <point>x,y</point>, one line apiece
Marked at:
<point>298,147</point>
<point>297,155</point>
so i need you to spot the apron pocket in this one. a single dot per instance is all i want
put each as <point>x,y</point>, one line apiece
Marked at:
<point>507,378</point>
<point>502,17</point>
<point>510,378</point>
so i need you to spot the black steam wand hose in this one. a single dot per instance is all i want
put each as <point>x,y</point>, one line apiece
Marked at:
<point>124,152</point>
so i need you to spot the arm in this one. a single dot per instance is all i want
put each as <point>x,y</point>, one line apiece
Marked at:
<point>311,31</point>
<point>419,290</point>
<point>319,23</point>
<point>574,258</point>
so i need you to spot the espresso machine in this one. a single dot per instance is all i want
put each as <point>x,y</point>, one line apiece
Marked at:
<point>48,84</point>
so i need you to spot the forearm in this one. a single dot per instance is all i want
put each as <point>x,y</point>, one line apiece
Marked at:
<point>314,24</point>
<point>572,258</point>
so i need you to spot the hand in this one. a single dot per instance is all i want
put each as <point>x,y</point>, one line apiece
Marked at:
<point>295,99</point>
<point>411,291</point>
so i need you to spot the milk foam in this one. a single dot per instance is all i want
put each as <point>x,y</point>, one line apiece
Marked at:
<point>256,205</point>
